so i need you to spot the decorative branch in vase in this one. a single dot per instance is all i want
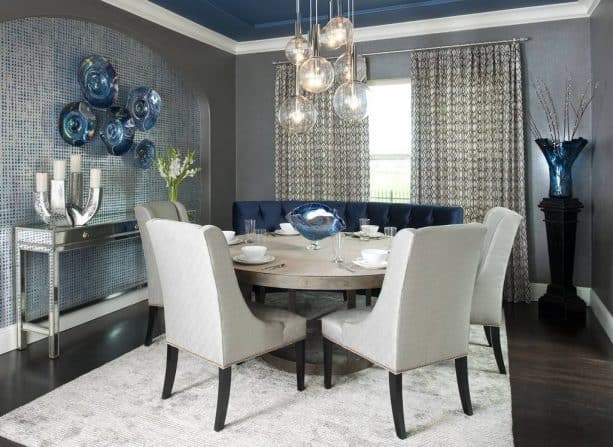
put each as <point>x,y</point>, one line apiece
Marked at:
<point>561,147</point>
<point>174,171</point>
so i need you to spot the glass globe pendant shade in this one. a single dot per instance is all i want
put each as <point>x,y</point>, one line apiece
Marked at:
<point>343,68</point>
<point>297,114</point>
<point>337,32</point>
<point>297,50</point>
<point>351,101</point>
<point>316,75</point>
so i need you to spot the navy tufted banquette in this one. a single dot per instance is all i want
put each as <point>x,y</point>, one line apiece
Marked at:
<point>269,213</point>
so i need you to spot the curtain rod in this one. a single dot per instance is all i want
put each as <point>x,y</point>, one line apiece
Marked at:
<point>412,50</point>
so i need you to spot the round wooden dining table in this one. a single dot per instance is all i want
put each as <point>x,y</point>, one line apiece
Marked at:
<point>297,269</point>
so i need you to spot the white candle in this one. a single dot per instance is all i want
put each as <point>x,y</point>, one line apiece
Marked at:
<point>95,176</point>
<point>75,163</point>
<point>42,184</point>
<point>59,169</point>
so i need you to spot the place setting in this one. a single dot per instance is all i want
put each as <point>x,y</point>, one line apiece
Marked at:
<point>372,259</point>
<point>253,255</point>
<point>286,229</point>
<point>231,238</point>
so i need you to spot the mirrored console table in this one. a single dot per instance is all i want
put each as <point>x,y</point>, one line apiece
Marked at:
<point>52,241</point>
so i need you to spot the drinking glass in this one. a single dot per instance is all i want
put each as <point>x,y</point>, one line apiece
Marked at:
<point>363,221</point>
<point>260,234</point>
<point>337,255</point>
<point>249,231</point>
<point>390,232</point>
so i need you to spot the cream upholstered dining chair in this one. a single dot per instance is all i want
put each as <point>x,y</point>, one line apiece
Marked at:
<point>422,314</point>
<point>502,225</point>
<point>144,213</point>
<point>205,312</point>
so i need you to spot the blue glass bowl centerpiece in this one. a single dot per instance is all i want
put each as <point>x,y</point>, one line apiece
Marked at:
<point>144,105</point>
<point>144,154</point>
<point>98,81</point>
<point>77,123</point>
<point>117,131</point>
<point>316,221</point>
<point>560,158</point>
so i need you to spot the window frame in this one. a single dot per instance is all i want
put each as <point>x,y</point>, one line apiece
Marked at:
<point>390,156</point>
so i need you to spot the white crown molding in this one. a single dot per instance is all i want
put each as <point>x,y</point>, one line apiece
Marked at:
<point>493,19</point>
<point>163,17</point>
<point>508,17</point>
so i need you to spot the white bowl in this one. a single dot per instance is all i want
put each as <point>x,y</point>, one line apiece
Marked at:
<point>230,235</point>
<point>374,256</point>
<point>287,227</point>
<point>369,230</point>
<point>253,252</point>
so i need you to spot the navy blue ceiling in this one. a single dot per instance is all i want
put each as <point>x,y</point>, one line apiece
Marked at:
<point>261,19</point>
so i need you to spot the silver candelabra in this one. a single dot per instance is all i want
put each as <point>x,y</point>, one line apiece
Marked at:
<point>55,210</point>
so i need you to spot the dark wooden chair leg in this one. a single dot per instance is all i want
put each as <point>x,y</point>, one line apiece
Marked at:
<point>172,354</point>
<point>461,372</point>
<point>397,405</point>
<point>153,312</point>
<point>369,297</point>
<point>300,360</point>
<point>486,329</point>
<point>327,364</point>
<point>495,333</point>
<point>260,294</point>
<point>351,299</point>
<point>223,397</point>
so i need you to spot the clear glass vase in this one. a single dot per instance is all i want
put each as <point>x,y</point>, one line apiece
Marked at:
<point>173,193</point>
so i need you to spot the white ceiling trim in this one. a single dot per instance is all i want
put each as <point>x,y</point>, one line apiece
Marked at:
<point>168,19</point>
<point>533,14</point>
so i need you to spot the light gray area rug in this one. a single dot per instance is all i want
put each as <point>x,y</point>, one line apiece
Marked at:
<point>119,404</point>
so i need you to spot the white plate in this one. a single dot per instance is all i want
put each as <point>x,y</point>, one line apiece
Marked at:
<point>242,260</point>
<point>377,235</point>
<point>235,241</point>
<point>283,233</point>
<point>362,263</point>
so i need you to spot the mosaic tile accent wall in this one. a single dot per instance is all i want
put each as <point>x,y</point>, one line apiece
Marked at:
<point>38,64</point>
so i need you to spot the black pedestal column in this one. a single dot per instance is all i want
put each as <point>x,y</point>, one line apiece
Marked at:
<point>561,301</point>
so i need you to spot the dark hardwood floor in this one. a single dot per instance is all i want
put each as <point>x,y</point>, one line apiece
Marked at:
<point>561,379</point>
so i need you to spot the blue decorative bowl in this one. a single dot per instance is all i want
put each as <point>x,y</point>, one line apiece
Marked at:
<point>144,154</point>
<point>77,123</point>
<point>144,105</point>
<point>98,81</point>
<point>316,221</point>
<point>117,131</point>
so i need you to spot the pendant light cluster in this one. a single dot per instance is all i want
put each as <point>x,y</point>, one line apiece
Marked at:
<point>316,74</point>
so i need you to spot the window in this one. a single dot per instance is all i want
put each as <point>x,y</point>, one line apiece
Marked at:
<point>389,126</point>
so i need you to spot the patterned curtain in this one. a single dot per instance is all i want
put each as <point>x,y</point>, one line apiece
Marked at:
<point>468,138</point>
<point>330,162</point>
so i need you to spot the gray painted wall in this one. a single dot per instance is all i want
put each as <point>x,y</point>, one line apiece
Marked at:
<point>554,47</point>
<point>208,70</point>
<point>602,182</point>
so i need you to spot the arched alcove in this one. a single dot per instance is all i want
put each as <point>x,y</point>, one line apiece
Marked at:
<point>38,77</point>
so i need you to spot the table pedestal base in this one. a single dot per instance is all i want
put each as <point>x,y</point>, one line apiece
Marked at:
<point>312,308</point>
<point>343,361</point>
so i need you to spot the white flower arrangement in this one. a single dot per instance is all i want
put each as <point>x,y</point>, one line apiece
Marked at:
<point>174,171</point>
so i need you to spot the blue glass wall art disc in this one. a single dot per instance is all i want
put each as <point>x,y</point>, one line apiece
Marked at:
<point>77,123</point>
<point>144,154</point>
<point>98,81</point>
<point>316,221</point>
<point>117,131</point>
<point>144,105</point>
